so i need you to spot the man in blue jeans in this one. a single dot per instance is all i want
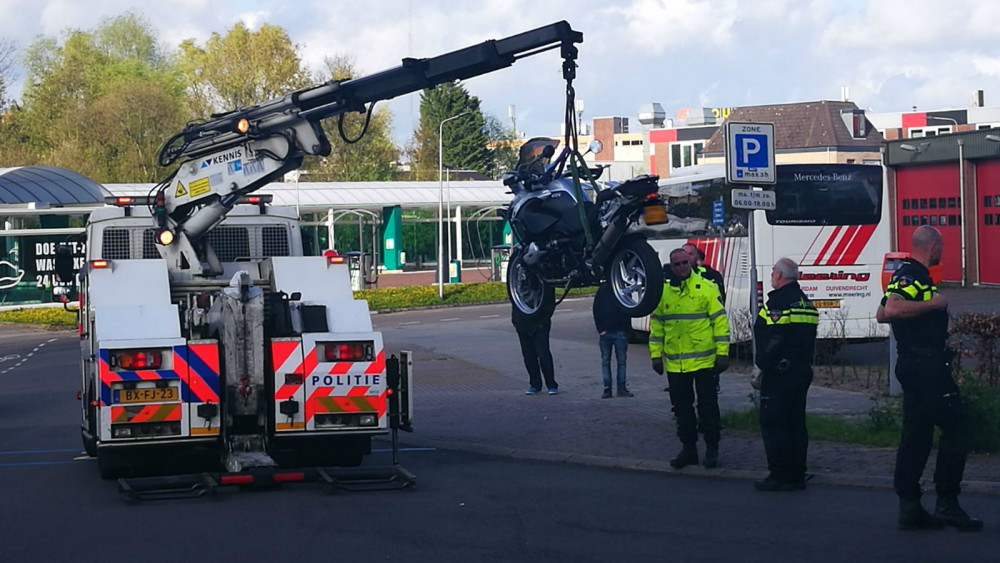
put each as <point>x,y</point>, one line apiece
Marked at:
<point>611,323</point>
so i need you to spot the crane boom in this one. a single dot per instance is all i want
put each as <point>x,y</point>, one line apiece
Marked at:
<point>236,153</point>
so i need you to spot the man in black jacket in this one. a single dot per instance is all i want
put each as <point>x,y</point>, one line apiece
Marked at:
<point>919,317</point>
<point>699,267</point>
<point>611,322</point>
<point>534,337</point>
<point>785,340</point>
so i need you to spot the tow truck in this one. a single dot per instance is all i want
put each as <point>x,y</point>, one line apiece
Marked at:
<point>204,329</point>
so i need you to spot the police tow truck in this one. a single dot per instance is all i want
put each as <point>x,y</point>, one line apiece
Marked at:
<point>204,328</point>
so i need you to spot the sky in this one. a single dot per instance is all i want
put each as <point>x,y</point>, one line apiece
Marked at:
<point>893,55</point>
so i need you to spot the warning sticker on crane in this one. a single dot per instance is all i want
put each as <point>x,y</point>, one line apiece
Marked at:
<point>181,191</point>
<point>200,187</point>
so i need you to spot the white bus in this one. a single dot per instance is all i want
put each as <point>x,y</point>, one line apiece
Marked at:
<point>832,219</point>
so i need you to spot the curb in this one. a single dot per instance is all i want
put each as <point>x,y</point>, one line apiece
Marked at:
<point>989,488</point>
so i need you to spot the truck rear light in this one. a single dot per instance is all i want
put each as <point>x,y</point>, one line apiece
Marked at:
<point>348,351</point>
<point>100,264</point>
<point>335,259</point>
<point>131,360</point>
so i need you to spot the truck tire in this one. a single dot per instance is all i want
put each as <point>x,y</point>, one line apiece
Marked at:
<point>110,465</point>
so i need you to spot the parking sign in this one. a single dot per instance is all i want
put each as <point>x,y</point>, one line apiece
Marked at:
<point>750,153</point>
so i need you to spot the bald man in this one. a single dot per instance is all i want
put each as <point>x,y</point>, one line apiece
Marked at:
<point>919,317</point>
<point>785,340</point>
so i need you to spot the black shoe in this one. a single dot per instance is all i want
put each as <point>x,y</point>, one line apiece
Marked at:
<point>772,484</point>
<point>607,393</point>
<point>948,510</point>
<point>912,516</point>
<point>711,456</point>
<point>688,456</point>
<point>623,392</point>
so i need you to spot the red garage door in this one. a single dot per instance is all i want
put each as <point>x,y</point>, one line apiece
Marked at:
<point>988,220</point>
<point>928,195</point>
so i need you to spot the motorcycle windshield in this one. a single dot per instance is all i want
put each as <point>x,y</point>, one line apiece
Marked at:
<point>531,150</point>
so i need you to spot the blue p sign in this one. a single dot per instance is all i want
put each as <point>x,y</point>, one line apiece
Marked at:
<point>751,151</point>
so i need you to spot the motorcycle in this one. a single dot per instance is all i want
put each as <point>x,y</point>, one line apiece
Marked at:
<point>563,239</point>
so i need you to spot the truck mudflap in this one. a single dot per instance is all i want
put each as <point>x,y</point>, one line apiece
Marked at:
<point>399,372</point>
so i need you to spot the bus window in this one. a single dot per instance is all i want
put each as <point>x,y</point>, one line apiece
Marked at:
<point>689,207</point>
<point>824,195</point>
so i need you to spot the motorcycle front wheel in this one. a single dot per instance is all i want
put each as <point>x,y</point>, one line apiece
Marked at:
<point>527,291</point>
<point>636,277</point>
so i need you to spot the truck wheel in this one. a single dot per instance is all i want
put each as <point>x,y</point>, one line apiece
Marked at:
<point>109,465</point>
<point>89,444</point>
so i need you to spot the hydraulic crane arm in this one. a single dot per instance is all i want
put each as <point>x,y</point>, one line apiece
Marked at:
<point>236,153</point>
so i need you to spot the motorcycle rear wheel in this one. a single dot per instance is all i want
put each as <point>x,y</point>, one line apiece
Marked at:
<point>527,291</point>
<point>636,277</point>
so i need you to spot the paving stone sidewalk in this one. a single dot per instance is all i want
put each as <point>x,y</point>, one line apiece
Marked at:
<point>471,406</point>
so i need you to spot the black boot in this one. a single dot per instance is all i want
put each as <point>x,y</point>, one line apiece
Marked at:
<point>711,456</point>
<point>688,456</point>
<point>948,510</point>
<point>912,516</point>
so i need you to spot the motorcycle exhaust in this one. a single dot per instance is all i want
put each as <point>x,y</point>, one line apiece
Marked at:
<point>532,255</point>
<point>603,248</point>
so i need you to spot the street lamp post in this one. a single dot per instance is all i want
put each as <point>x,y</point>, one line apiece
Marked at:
<point>441,270</point>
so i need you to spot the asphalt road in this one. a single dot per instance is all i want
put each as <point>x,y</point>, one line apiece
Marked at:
<point>466,507</point>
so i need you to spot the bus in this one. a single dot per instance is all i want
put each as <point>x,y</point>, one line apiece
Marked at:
<point>831,219</point>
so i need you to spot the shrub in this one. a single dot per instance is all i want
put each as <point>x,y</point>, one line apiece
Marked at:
<point>55,316</point>
<point>977,335</point>
<point>982,414</point>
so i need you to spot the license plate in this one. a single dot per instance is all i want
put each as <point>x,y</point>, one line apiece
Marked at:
<point>826,304</point>
<point>654,214</point>
<point>148,395</point>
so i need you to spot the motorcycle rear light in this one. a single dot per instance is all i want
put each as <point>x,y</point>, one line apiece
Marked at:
<point>348,351</point>
<point>131,360</point>
<point>236,480</point>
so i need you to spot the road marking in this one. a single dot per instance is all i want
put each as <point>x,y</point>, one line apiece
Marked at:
<point>563,310</point>
<point>410,323</point>
<point>24,359</point>
<point>451,319</point>
<point>30,463</point>
<point>29,452</point>
<point>488,316</point>
<point>414,449</point>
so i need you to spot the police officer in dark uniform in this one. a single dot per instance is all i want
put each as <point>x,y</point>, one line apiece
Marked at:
<point>785,340</point>
<point>919,317</point>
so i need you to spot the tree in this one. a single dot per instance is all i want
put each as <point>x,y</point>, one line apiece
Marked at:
<point>372,157</point>
<point>7,50</point>
<point>102,102</point>
<point>502,146</point>
<point>241,68</point>
<point>464,140</point>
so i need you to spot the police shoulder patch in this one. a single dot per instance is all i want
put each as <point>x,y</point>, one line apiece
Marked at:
<point>904,281</point>
<point>775,316</point>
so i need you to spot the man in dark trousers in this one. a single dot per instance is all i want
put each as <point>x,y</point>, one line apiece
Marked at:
<point>704,270</point>
<point>919,317</point>
<point>689,339</point>
<point>534,337</point>
<point>611,322</point>
<point>785,340</point>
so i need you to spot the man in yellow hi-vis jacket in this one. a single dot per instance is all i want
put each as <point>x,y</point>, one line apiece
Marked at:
<point>689,331</point>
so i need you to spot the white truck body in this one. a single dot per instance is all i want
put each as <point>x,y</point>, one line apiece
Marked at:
<point>166,367</point>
